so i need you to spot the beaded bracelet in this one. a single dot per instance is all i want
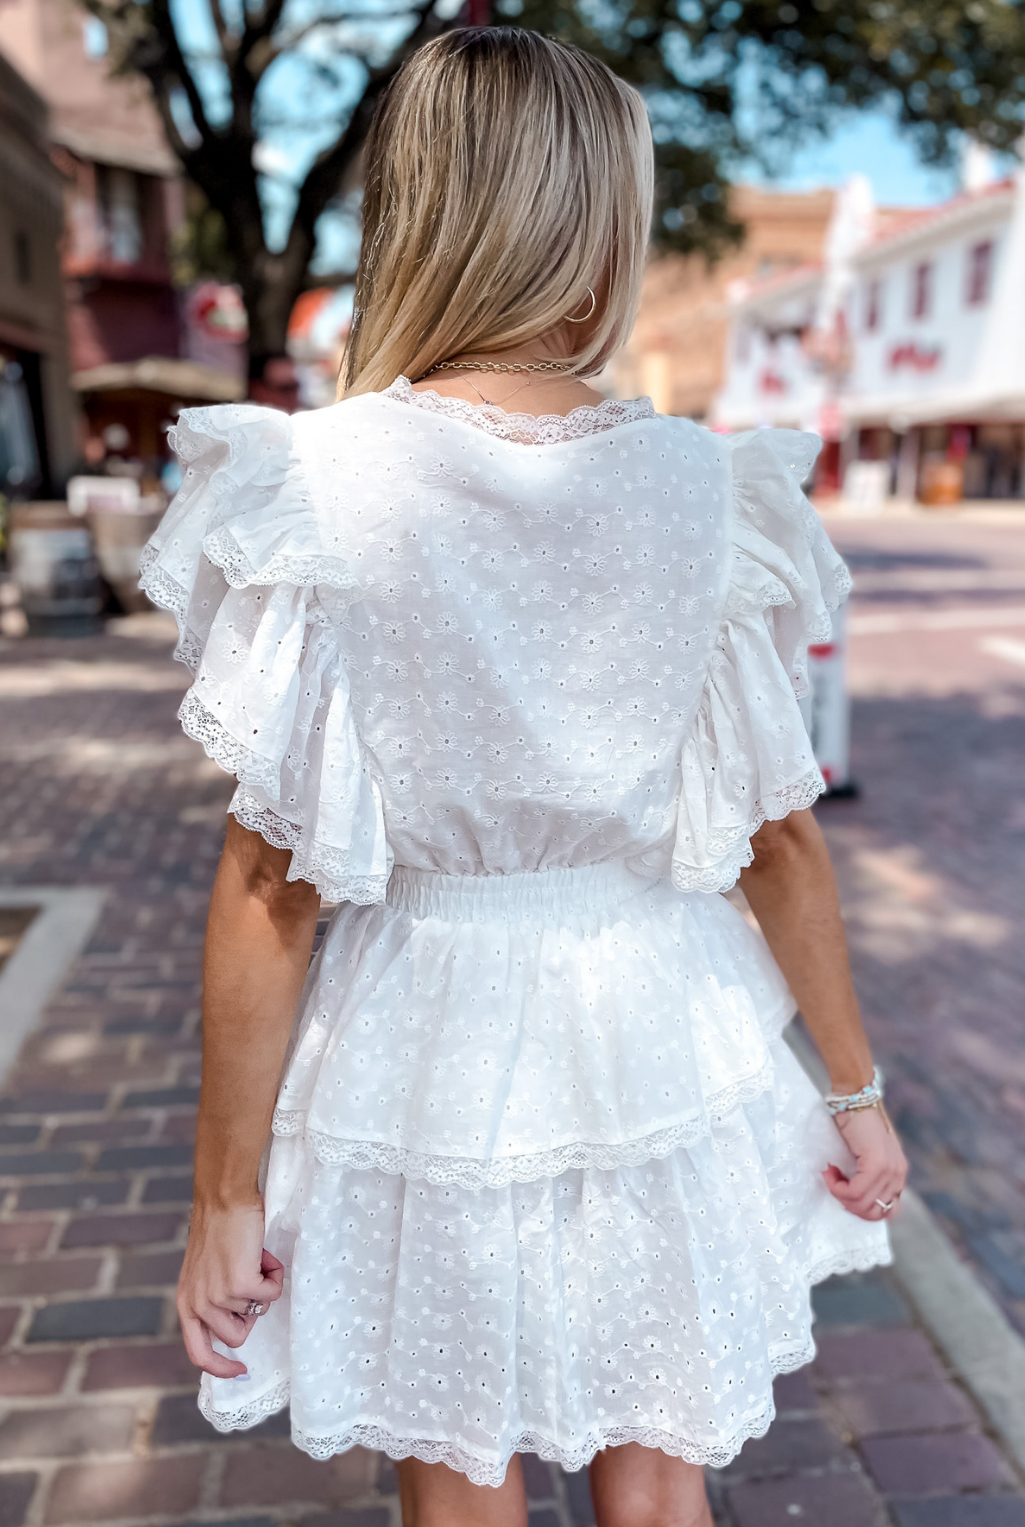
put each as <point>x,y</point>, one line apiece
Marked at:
<point>853,1102</point>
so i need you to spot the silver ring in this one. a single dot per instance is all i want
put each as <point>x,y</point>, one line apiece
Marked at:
<point>886,1207</point>
<point>255,1308</point>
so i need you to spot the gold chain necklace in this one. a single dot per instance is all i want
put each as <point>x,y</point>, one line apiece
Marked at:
<point>499,366</point>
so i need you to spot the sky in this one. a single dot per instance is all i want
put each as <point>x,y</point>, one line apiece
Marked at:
<point>868,142</point>
<point>302,95</point>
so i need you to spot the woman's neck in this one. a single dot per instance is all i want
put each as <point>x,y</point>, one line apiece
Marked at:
<point>518,392</point>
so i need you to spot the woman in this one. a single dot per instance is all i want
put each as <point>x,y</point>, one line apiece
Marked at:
<point>516,688</point>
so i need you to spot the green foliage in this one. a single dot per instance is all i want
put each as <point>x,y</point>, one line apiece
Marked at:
<point>725,81</point>
<point>200,248</point>
<point>729,80</point>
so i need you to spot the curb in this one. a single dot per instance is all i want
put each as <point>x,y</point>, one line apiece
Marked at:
<point>964,1320</point>
<point>960,1314</point>
<point>48,948</point>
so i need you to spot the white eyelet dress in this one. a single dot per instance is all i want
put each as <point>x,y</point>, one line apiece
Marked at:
<point>516,693</point>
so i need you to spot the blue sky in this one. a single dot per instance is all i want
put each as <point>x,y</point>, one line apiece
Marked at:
<point>868,142</point>
<point>302,95</point>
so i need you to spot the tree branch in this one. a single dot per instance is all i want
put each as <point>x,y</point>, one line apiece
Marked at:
<point>225,40</point>
<point>173,61</point>
<point>328,169</point>
<point>257,34</point>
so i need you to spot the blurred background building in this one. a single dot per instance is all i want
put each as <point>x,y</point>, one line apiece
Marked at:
<point>874,326</point>
<point>903,345</point>
<point>37,444</point>
<point>677,352</point>
<point>130,331</point>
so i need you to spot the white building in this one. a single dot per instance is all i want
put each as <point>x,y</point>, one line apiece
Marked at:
<point>906,345</point>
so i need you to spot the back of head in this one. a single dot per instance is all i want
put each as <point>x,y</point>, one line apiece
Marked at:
<point>506,174</point>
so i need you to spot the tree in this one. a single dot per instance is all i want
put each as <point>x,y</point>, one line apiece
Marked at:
<point>725,81</point>
<point>730,81</point>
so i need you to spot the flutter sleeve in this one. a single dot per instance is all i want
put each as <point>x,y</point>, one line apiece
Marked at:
<point>749,759</point>
<point>241,561</point>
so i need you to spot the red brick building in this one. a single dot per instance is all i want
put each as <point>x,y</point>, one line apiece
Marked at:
<point>123,206</point>
<point>37,445</point>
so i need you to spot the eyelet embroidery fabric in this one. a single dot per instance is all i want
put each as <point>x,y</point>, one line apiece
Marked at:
<point>517,693</point>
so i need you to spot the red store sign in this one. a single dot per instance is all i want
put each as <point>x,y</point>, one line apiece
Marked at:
<point>916,357</point>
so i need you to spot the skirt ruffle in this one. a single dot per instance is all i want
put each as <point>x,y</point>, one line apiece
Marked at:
<point>545,1178</point>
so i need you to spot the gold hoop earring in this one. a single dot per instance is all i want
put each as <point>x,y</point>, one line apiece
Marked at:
<point>590,311</point>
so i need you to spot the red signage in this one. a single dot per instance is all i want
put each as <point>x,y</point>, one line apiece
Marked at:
<point>916,357</point>
<point>771,381</point>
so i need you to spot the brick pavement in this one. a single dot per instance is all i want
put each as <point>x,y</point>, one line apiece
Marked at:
<point>930,867</point>
<point>97,1416</point>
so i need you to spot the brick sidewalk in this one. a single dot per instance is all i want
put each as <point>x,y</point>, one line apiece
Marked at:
<point>929,861</point>
<point>97,1412</point>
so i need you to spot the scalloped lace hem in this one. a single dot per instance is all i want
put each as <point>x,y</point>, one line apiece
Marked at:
<point>485,1471</point>
<point>320,864</point>
<point>324,867</point>
<point>200,723</point>
<point>169,594</point>
<point>221,548</point>
<point>527,429</point>
<point>732,851</point>
<point>840,585</point>
<point>500,1172</point>
<point>491,1470</point>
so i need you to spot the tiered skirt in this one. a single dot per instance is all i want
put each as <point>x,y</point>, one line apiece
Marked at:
<point>545,1177</point>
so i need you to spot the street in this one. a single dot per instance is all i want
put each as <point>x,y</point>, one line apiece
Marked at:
<point>98,788</point>
<point>930,859</point>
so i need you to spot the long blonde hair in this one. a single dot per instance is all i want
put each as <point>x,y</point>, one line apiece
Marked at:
<point>505,174</point>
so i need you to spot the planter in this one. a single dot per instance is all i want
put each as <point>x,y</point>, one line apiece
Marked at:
<point>54,565</point>
<point>119,538</point>
<point>941,482</point>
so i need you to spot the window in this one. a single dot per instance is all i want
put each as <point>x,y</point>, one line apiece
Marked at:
<point>873,306</point>
<point>980,272</point>
<point>119,200</point>
<point>921,290</point>
<point>22,257</point>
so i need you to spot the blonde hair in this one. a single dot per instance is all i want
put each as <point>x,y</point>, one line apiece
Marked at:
<point>506,174</point>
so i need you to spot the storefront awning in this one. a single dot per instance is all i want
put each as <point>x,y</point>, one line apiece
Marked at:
<point>968,407</point>
<point>157,373</point>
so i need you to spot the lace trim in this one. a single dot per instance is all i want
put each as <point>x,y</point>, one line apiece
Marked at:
<point>491,1471</point>
<point>732,850</point>
<point>217,742</point>
<point>840,587</point>
<point>169,594</point>
<point>499,1172</point>
<point>221,548</point>
<point>322,866</point>
<point>527,429</point>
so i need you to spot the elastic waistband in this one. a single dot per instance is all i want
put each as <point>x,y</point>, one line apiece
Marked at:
<point>541,894</point>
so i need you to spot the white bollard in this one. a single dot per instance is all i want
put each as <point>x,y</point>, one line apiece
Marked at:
<point>827,709</point>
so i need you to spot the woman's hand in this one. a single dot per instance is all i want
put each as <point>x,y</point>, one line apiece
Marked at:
<point>881,1171</point>
<point>226,1266</point>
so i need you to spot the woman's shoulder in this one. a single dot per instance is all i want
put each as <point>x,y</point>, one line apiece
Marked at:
<point>752,454</point>
<point>245,425</point>
<point>761,454</point>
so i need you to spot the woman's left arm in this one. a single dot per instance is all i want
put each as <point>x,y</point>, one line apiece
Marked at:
<point>258,942</point>
<point>791,890</point>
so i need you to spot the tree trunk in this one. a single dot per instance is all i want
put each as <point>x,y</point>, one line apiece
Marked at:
<point>269,292</point>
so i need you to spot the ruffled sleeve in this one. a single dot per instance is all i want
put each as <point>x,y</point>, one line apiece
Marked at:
<point>749,759</point>
<point>240,560</point>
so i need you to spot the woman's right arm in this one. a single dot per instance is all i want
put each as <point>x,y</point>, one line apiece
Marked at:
<point>258,942</point>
